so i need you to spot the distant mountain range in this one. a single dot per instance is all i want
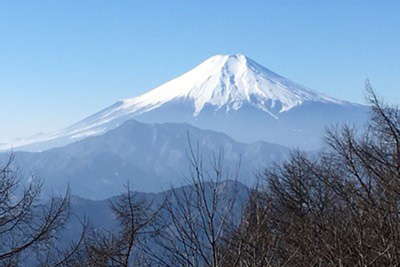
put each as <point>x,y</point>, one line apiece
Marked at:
<point>101,219</point>
<point>100,215</point>
<point>152,157</point>
<point>228,93</point>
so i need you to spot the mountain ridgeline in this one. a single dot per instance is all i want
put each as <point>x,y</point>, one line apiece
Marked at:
<point>152,157</point>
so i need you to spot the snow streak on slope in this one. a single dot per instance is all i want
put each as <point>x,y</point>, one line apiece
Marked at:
<point>223,82</point>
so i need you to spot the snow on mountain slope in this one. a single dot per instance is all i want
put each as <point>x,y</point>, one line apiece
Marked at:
<point>223,83</point>
<point>227,81</point>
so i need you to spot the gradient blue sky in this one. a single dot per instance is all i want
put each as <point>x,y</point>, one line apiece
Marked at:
<point>63,60</point>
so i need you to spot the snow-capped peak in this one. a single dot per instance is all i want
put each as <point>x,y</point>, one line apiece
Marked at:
<point>228,81</point>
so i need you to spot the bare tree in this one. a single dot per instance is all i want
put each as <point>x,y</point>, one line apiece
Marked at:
<point>137,220</point>
<point>28,225</point>
<point>251,244</point>
<point>198,216</point>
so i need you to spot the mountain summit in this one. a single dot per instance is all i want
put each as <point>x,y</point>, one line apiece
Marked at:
<point>228,82</point>
<point>229,93</point>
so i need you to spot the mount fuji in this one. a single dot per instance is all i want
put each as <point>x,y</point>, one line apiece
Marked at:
<point>227,93</point>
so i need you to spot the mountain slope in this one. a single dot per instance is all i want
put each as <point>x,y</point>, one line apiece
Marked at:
<point>150,156</point>
<point>226,93</point>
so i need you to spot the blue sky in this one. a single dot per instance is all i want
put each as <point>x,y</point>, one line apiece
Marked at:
<point>63,60</point>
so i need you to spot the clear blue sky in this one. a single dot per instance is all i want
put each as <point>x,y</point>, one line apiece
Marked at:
<point>63,60</point>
